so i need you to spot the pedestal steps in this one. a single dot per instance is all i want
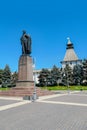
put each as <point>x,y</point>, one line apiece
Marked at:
<point>25,91</point>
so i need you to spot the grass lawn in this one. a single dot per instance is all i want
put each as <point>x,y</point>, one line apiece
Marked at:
<point>65,88</point>
<point>4,89</point>
<point>57,88</point>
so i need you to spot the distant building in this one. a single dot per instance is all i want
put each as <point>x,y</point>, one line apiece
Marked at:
<point>70,57</point>
<point>36,73</point>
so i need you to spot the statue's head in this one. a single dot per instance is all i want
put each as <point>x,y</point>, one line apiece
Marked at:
<point>24,32</point>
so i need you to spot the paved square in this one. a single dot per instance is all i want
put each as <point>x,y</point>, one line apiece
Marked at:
<point>47,114</point>
<point>71,98</point>
<point>7,102</point>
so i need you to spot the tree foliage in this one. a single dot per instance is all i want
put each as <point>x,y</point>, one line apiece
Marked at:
<point>55,75</point>
<point>49,77</point>
<point>1,73</point>
<point>67,75</point>
<point>43,77</point>
<point>6,74</point>
<point>84,72</point>
<point>77,74</point>
<point>7,78</point>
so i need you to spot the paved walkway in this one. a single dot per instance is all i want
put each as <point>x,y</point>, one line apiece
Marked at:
<point>55,112</point>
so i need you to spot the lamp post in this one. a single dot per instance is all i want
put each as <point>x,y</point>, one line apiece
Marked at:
<point>34,93</point>
<point>67,82</point>
<point>68,87</point>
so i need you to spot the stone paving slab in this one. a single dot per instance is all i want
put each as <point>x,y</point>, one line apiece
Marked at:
<point>42,116</point>
<point>7,102</point>
<point>47,113</point>
<point>77,98</point>
<point>11,102</point>
<point>80,92</point>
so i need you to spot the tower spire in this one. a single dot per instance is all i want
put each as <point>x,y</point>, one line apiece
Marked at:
<point>69,41</point>
<point>69,44</point>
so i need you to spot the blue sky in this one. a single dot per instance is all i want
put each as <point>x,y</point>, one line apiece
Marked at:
<point>49,22</point>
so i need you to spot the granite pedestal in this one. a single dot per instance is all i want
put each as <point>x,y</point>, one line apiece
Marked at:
<point>25,72</point>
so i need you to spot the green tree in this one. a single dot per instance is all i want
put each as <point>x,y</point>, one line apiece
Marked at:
<point>43,77</point>
<point>55,75</point>
<point>6,77</point>
<point>85,72</point>
<point>77,74</point>
<point>67,75</point>
<point>1,73</point>
<point>49,77</point>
